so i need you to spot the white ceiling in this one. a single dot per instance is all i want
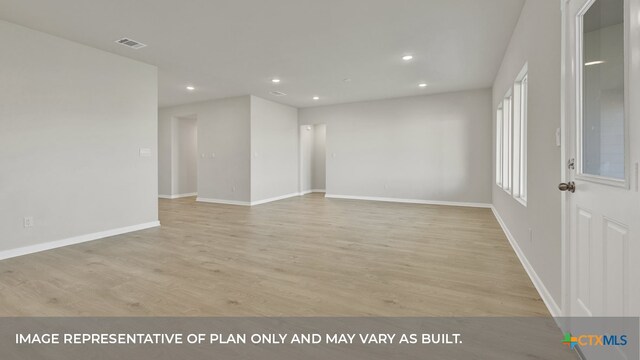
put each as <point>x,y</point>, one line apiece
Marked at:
<point>235,47</point>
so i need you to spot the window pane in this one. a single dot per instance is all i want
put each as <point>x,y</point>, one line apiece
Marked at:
<point>524,89</point>
<point>499,147</point>
<point>603,90</point>
<point>506,145</point>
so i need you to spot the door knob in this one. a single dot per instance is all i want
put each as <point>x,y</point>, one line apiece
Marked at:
<point>570,187</point>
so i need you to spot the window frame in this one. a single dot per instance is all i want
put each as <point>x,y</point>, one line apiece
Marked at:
<point>499,144</point>
<point>507,144</point>
<point>520,148</point>
<point>579,121</point>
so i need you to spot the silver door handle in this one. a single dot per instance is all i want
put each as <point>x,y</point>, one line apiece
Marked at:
<point>570,187</point>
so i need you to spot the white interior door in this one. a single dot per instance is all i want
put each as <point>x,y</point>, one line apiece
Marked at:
<point>601,147</point>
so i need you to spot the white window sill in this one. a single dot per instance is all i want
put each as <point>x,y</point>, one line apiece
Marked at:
<point>522,201</point>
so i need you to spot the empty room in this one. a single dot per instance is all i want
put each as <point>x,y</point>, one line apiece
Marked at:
<point>290,179</point>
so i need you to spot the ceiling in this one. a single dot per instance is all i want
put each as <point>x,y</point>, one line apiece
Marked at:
<point>235,47</point>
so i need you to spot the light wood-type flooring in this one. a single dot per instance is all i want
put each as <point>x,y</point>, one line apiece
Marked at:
<point>303,256</point>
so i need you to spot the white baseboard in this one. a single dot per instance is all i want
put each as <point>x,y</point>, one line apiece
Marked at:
<point>552,306</point>
<point>409,201</point>
<point>74,240</point>
<point>249,203</point>
<point>282,197</point>
<point>222,201</point>
<point>177,196</point>
<point>312,191</point>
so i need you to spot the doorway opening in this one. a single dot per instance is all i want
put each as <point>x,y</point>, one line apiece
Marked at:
<point>184,157</point>
<point>313,158</point>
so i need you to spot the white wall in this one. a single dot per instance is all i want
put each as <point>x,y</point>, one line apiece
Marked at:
<point>250,147</point>
<point>185,156</point>
<point>223,130</point>
<point>72,121</point>
<point>430,148</point>
<point>274,149</point>
<point>536,40</point>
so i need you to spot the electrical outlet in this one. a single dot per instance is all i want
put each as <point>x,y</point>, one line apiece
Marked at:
<point>233,188</point>
<point>28,222</point>
<point>530,235</point>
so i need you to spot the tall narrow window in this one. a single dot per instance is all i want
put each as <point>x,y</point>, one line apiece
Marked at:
<point>520,137</point>
<point>499,146</point>
<point>507,143</point>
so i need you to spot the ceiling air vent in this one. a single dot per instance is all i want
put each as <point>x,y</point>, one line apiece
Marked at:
<point>278,93</point>
<point>131,43</point>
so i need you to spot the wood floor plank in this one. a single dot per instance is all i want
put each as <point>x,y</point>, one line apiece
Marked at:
<point>303,256</point>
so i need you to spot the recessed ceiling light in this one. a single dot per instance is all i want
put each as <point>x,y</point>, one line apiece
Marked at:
<point>594,63</point>
<point>190,88</point>
<point>407,57</point>
<point>316,98</point>
<point>275,81</point>
<point>422,85</point>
